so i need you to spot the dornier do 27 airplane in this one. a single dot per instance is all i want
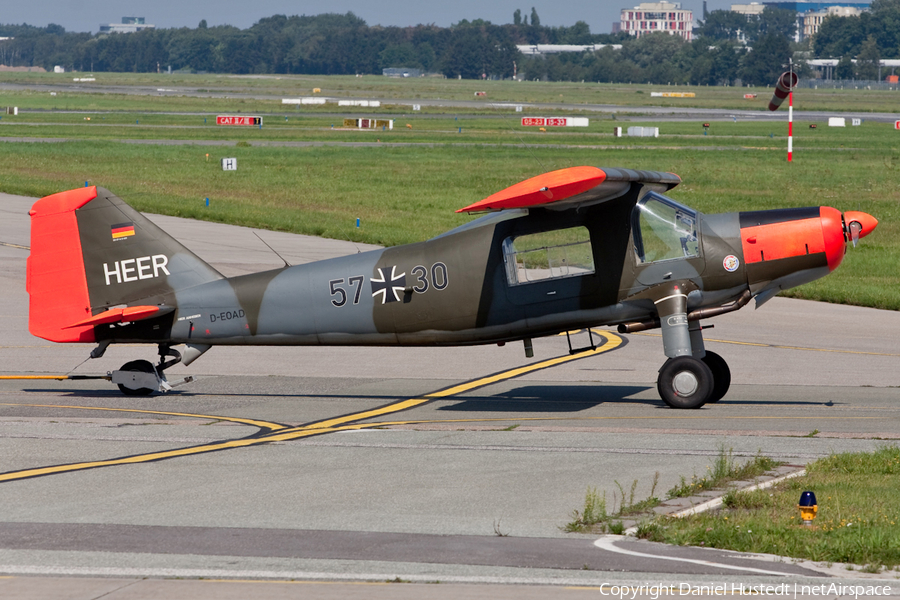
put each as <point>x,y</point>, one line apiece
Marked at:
<point>569,249</point>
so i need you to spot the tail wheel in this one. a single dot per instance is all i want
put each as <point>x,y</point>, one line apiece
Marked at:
<point>721,375</point>
<point>141,366</point>
<point>685,382</point>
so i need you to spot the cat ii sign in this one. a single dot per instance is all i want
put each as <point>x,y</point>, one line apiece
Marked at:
<point>230,120</point>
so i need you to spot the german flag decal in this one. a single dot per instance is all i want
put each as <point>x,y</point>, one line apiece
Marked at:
<point>122,231</point>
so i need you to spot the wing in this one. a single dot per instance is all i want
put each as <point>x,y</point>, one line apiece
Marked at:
<point>575,186</point>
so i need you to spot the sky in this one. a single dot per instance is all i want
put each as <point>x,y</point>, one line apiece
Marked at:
<point>87,15</point>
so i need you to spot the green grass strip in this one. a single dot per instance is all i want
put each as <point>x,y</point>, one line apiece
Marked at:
<point>858,519</point>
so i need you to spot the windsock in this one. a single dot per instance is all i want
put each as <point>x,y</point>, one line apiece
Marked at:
<point>786,83</point>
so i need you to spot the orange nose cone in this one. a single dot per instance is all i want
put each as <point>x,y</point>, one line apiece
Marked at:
<point>867,221</point>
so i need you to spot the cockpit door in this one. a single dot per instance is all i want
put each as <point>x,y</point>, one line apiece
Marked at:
<point>666,240</point>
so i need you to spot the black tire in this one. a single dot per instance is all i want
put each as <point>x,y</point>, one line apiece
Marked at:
<point>140,366</point>
<point>685,382</point>
<point>721,375</point>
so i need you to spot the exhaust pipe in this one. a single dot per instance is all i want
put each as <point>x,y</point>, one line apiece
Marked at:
<point>694,315</point>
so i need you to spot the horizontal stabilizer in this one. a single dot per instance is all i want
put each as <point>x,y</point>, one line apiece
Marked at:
<point>124,315</point>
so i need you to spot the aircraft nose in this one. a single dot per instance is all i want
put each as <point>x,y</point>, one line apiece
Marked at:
<point>839,229</point>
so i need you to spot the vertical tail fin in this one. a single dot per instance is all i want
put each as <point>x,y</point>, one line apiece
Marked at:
<point>92,255</point>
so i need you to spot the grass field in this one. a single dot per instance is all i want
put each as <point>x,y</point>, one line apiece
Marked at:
<point>385,88</point>
<point>858,520</point>
<point>407,184</point>
<point>464,128</point>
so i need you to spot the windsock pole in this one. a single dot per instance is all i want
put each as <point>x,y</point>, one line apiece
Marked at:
<point>791,113</point>
<point>790,125</point>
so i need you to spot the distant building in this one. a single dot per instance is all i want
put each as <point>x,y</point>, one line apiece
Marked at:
<point>401,72</point>
<point>128,25</point>
<point>649,17</point>
<point>751,11</point>
<point>754,8</point>
<point>812,20</point>
<point>540,49</point>
<point>802,6</point>
<point>809,14</point>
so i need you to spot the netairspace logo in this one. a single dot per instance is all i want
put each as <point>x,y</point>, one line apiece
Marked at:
<point>739,589</point>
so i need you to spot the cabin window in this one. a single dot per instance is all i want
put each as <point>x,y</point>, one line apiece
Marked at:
<point>663,229</point>
<point>548,255</point>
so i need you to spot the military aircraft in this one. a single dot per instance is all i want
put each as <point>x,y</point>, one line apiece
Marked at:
<point>569,249</point>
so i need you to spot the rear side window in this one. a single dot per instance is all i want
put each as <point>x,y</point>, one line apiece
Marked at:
<point>548,255</point>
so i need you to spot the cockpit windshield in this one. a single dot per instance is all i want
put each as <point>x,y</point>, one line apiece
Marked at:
<point>663,229</point>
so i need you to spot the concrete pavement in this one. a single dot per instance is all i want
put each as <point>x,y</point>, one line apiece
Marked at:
<point>513,458</point>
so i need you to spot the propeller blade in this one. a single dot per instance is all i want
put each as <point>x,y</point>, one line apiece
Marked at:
<point>855,227</point>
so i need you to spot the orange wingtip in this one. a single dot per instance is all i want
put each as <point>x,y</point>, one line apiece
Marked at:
<point>543,189</point>
<point>118,315</point>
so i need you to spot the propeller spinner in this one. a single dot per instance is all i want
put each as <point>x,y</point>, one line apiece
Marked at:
<point>858,225</point>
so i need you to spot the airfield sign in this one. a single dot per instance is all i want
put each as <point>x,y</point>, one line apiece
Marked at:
<point>232,120</point>
<point>555,121</point>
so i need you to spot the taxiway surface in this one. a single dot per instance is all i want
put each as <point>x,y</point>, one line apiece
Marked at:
<point>472,485</point>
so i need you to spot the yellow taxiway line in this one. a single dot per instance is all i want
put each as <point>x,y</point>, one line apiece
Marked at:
<point>611,342</point>
<point>11,245</point>
<point>254,422</point>
<point>56,377</point>
<point>274,432</point>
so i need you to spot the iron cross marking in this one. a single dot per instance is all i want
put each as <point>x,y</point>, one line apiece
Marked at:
<point>386,282</point>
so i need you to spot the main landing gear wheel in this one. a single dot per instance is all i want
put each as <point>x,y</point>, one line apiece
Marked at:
<point>685,382</point>
<point>721,375</point>
<point>140,366</point>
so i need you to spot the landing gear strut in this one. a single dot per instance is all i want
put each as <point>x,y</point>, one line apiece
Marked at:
<point>691,376</point>
<point>683,384</point>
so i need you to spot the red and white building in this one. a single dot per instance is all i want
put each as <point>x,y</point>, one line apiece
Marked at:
<point>649,17</point>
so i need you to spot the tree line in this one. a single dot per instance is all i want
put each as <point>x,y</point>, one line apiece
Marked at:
<point>727,47</point>
<point>321,44</point>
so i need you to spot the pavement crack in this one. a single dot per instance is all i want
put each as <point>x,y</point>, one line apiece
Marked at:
<point>118,589</point>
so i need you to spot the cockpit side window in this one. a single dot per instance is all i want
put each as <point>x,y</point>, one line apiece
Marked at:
<point>548,255</point>
<point>663,229</point>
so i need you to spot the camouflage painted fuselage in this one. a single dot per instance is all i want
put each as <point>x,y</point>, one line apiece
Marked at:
<point>458,288</point>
